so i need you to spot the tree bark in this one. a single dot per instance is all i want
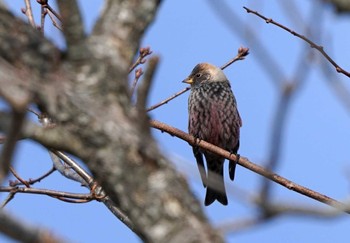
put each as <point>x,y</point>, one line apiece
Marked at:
<point>85,91</point>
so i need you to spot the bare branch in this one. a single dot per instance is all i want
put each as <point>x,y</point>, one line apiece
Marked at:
<point>29,13</point>
<point>20,231</point>
<point>119,214</point>
<point>73,28</point>
<point>241,29</point>
<point>9,197</point>
<point>65,170</point>
<point>168,99</point>
<point>33,181</point>
<point>18,177</point>
<point>311,43</point>
<point>143,52</point>
<point>230,227</point>
<point>242,53</point>
<point>143,90</point>
<point>138,74</point>
<point>277,209</point>
<point>45,4</point>
<point>341,91</point>
<point>13,134</point>
<point>76,167</point>
<point>251,166</point>
<point>42,19</point>
<point>52,193</point>
<point>54,22</point>
<point>97,191</point>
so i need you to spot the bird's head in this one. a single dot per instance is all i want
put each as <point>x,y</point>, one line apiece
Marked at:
<point>205,73</point>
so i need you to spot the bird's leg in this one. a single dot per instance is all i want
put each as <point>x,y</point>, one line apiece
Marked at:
<point>197,140</point>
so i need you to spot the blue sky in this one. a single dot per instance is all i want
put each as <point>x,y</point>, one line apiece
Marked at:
<point>315,146</point>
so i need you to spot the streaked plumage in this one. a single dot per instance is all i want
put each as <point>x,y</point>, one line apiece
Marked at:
<point>213,117</point>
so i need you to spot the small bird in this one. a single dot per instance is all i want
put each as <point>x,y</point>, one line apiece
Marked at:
<point>214,118</point>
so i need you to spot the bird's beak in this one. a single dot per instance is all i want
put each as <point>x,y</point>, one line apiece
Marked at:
<point>188,80</point>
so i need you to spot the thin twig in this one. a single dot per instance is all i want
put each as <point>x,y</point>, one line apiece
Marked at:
<point>9,197</point>
<point>42,19</point>
<point>242,53</point>
<point>143,90</point>
<point>168,99</point>
<point>285,99</point>
<point>8,149</point>
<point>34,112</point>
<point>97,192</point>
<point>51,193</point>
<point>341,91</point>
<point>277,209</point>
<point>47,9</point>
<point>66,170</point>
<point>19,231</point>
<point>33,181</point>
<point>54,21</point>
<point>45,4</point>
<point>54,12</point>
<point>311,43</point>
<point>24,182</point>
<point>29,13</point>
<point>75,200</point>
<point>238,27</point>
<point>230,227</point>
<point>144,52</point>
<point>251,166</point>
<point>138,74</point>
<point>75,166</point>
<point>117,212</point>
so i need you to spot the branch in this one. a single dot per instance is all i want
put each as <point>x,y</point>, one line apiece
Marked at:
<point>20,231</point>
<point>143,90</point>
<point>168,99</point>
<point>54,22</point>
<point>96,190</point>
<point>20,179</point>
<point>32,181</point>
<point>311,43</point>
<point>40,56</point>
<point>73,29</point>
<point>143,52</point>
<point>240,28</point>
<point>66,170</point>
<point>251,166</point>
<point>29,13</point>
<point>54,137</point>
<point>138,74</point>
<point>45,4</point>
<point>42,19</point>
<point>86,179</point>
<point>280,209</point>
<point>86,197</point>
<point>17,120</point>
<point>242,53</point>
<point>124,22</point>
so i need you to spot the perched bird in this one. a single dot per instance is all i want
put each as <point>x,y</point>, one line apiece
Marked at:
<point>214,118</point>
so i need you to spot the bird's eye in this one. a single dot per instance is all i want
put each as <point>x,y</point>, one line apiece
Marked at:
<point>198,75</point>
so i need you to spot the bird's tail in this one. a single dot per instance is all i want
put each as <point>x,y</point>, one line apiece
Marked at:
<point>215,184</point>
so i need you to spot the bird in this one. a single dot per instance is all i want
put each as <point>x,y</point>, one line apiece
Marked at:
<point>214,118</point>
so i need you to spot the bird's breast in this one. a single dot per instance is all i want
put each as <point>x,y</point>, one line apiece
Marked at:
<point>211,112</point>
